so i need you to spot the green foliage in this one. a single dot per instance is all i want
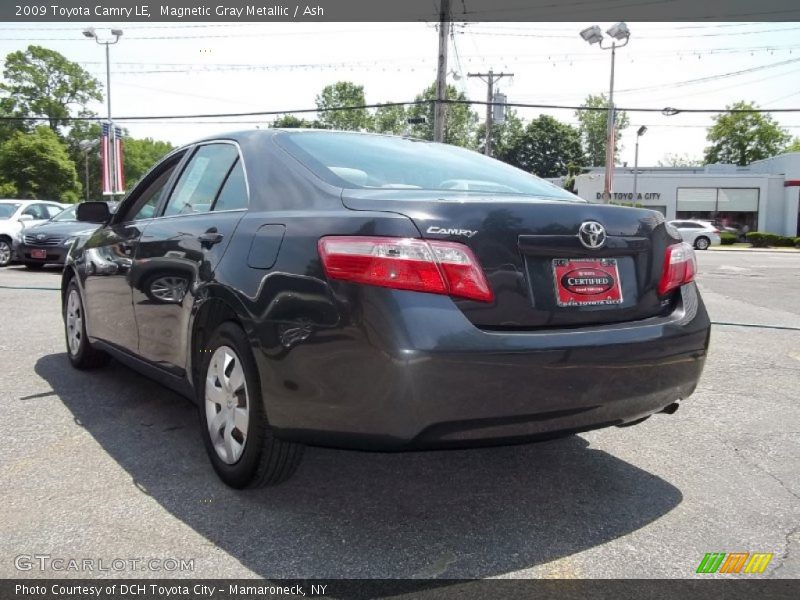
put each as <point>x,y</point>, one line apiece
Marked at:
<point>797,242</point>
<point>504,134</point>
<point>762,239</point>
<point>545,147</point>
<point>139,155</point>
<point>43,83</point>
<point>390,119</point>
<point>594,126</point>
<point>38,165</point>
<point>794,146</point>
<point>741,138</point>
<point>727,238</point>
<point>7,190</point>
<point>459,123</point>
<point>292,122</point>
<point>343,93</point>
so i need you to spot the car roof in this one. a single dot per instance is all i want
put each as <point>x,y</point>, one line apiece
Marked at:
<point>12,201</point>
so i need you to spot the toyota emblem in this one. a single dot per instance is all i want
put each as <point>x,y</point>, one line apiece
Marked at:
<point>40,236</point>
<point>592,234</point>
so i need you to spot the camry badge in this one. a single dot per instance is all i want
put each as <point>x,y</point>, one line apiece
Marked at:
<point>592,234</point>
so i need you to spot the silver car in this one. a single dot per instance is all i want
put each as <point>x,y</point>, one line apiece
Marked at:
<point>700,234</point>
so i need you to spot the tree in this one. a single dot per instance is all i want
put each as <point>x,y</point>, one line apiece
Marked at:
<point>38,165</point>
<point>43,83</point>
<point>594,129</point>
<point>83,142</point>
<point>794,146</point>
<point>460,120</point>
<point>743,137</point>
<point>139,155</point>
<point>390,119</point>
<point>343,93</point>
<point>546,147</point>
<point>292,122</point>
<point>680,160</point>
<point>503,134</point>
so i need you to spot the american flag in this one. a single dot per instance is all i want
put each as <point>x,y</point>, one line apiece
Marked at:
<point>111,156</point>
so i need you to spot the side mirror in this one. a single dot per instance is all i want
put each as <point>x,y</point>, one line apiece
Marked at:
<point>23,218</point>
<point>93,212</point>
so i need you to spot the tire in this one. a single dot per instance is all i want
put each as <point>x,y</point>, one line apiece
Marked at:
<point>6,251</point>
<point>234,426</point>
<point>79,351</point>
<point>702,243</point>
<point>34,266</point>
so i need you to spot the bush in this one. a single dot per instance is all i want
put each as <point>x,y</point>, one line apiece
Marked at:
<point>727,238</point>
<point>797,242</point>
<point>760,239</point>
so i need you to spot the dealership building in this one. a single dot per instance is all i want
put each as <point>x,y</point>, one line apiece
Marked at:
<point>763,196</point>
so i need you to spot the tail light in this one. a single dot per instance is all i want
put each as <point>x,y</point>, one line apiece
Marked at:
<point>406,264</point>
<point>680,266</point>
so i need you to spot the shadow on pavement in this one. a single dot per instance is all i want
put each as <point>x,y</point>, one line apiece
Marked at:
<point>465,513</point>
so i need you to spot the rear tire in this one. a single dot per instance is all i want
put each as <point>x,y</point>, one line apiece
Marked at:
<point>34,266</point>
<point>234,426</point>
<point>79,351</point>
<point>702,243</point>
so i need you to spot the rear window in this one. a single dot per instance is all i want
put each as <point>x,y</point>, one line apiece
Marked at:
<point>383,162</point>
<point>8,210</point>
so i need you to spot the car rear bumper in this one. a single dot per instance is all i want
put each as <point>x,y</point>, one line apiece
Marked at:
<point>435,380</point>
<point>55,254</point>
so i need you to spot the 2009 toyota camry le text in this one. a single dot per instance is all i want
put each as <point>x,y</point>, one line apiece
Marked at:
<point>380,293</point>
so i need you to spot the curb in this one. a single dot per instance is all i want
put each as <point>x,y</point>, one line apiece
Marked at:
<point>756,250</point>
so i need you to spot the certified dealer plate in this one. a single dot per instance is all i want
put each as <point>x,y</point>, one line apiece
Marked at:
<point>37,253</point>
<point>586,281</point>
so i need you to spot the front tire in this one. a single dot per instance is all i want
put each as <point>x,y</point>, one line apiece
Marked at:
<point>79,351</point>
<point>702,243</point>
<point>237,437</point>
<point>5,251</point>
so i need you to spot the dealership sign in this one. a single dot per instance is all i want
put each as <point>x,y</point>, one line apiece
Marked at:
<point>629,196</point>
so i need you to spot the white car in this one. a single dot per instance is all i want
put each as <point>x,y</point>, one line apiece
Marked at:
<point>15,215</point>
<point>700,234</point>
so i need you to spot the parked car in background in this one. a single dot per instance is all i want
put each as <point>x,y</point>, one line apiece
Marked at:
<point>375,292</point>
<point>700,234</point>
<point>49,242</point>
<point>15,215</point>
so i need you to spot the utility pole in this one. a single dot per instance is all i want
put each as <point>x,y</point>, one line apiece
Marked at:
<point>490,78</point>
<point>440,108</point>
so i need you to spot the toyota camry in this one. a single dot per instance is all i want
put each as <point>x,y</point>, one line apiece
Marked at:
<point>380,293</point>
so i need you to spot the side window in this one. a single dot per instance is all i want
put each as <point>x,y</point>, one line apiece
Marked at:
<point>233,194</point>
<point>200,181</point>
<point>148,198</point>
<point>53,210</point>
<point>37,211</point>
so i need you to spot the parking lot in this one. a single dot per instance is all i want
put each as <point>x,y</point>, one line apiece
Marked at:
<point>109,465</point>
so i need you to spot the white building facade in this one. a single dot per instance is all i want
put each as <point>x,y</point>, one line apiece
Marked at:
<point>763,196</point>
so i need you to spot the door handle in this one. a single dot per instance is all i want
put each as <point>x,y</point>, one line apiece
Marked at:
<point>209,238</point>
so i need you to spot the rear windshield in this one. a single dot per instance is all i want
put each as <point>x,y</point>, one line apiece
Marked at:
<point>7,210</point>
<point>353,160</point>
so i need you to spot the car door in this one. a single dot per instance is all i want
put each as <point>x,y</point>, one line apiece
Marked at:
<point>109,255</point>
<point>179,250</point>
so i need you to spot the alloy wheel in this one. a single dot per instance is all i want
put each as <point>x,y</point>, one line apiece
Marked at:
<point>5,253</point>
<point>74,322</point>
<point>227,404</point>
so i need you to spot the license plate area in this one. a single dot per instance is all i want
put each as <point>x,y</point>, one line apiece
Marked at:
<point>39,253</point>
<point>586,282</point>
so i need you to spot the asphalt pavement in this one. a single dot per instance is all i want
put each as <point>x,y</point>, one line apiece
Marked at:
<point>108,465</point>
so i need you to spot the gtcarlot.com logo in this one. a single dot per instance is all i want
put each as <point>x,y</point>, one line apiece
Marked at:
<point>47,562</point>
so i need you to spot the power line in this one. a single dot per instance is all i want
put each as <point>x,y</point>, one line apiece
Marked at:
<point>668,111</point>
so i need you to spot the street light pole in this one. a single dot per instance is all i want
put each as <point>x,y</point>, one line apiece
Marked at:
<point>593,35</point>
<point>113,158</point>
<point>639,134</point>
